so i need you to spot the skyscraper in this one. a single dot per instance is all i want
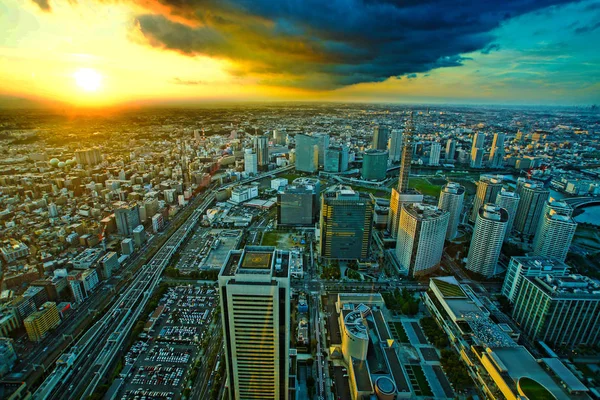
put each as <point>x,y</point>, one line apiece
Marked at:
<point>323,144</point>
<point>488,188</point>
<point>374,165</point>
<point>395,148</point>
<point>434,153</point>
<point>380,137</point>
<point>88,156</point>
<point>250,161</point>
<point>488,236</point>
<point>403,195</point>
<point>421,238</point>
<point>520,267</point>
<point>559,310</point>
<point>510,202</point>
<point>451,200</point>
<point>555,232</point>
<point>533,197</point>
<point>127,218</point>
<point>497,151</point>
<point>261,148</point>
<point>346,223</point>
<point>450,150</point>
<point>307,153</point>
<point>297,205</point>
<point>254,288</point>
<point>477,150</point>
<point>279,137</point>
<point>336,159</point>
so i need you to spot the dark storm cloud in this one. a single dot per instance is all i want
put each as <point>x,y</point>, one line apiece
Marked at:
<point>490,48</point>
<point>332,43</point>
<point>585,29</point>
<point>43,4</point>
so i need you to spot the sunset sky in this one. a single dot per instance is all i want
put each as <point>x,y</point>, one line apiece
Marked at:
<point>116,52</point>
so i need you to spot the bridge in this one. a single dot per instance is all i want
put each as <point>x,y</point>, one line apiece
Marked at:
<point>580,202</point>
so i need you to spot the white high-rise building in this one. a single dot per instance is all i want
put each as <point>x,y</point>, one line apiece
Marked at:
<point>477,150</point>
<point>451,200</point>
<point>555,232</point>
<point>254,287</point>
<point>250,162</point>
<point>510,202</point>
<point>421,238</point>
<point>395,147</point>
<point>488,188</point>
<point>497,151</point>
<point>434,153</point>
<point>488,235</point>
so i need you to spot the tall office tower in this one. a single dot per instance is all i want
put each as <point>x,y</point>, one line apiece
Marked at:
<point>510,202</point>
<point>488,188</point>
<point>554,235</point>
<point>451,200</point>
<point>127,217</point>
<point>254,288</point>
<point>421,238</point>
<point>336,159</point>
<point>380,137</point>
<point>250,161</point>
<point>346,223</point>
<point>434,153</point>
<point>520,267</point>
<point>261,148</point>
<point>297,205</point>
<point>88,156</point>
<point>407,150</point>
<point>403,195</point>
<point>488,236</point>
<point>477,150</point>
<point>450,150</point>
<point>307,153</point>
<point>559,310</point>
<point>374,165</point>
<point>533,197</point>
<point>497,151</point>
<point>279,137</point>
<point>395,148</point>
<point>322,143</point>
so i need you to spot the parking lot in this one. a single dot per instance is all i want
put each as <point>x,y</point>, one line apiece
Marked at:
<point>158,366</point>
<point>207,249</point>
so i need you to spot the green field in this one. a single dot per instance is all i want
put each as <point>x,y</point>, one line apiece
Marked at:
<point>282,240</point>
<point>375,192</point>
<point>535,391</point>
<point>424,186</point>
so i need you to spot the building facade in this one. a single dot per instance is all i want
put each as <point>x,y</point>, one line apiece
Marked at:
<point>510,202</point>
<point>254,287</point>
<point>488,235</point>
<point>554,235</point>
<point>421,236</point>
<point>488,188</point>
<point>297,206</point>
<point>520,267</point>
<point>374,165</point>
<point>42,321</point>
<point>380,137</point>
<point>346,224</point>
<point>533,197</point>
<point>451,200</point>
<point>307,153</point>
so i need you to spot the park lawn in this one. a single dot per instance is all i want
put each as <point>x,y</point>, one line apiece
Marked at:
<point>424,186</point>
<point>375,192</point>
<point>535,391</point>
<point>281,240</point>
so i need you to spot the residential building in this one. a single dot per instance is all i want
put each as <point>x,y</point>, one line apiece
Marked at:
<point>42,321</point>
<point>450,151</point>
<point>434,153</point>
<point>451,200</point>
<point>520,267</point>
<point>554,234</point>
<point>254,288</point>
<point>488,188</point>
<point>559,310</point>
<point>510,202</point>
<point>533,197</point>
<point>477,150</point>
<point>486,243</point>
<point>497,151</point>
<point>421,235</point>
<point>346,223</point>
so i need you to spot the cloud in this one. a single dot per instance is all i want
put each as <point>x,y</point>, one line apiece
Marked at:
<point>318,44</point>
<point>44,5</point>
<point>490,48</point>
<point>411,76</point>
<point>586,29</point>
<point>190,82</point>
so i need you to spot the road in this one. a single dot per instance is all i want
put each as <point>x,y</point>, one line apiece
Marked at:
<point>78,373</point>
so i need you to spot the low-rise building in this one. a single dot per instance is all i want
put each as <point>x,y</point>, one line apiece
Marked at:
<point>42,321</point>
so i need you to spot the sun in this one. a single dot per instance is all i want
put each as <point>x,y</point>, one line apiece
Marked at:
<point>88,79</point>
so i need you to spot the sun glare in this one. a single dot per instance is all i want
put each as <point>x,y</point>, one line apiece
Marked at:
<point>88,79</point>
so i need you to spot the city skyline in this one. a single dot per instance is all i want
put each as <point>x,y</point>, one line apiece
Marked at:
<point>96,54</point>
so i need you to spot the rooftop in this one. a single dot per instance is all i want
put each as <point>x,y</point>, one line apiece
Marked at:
<point>567,286</point>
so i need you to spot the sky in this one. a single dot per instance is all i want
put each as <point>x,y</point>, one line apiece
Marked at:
<point>105,53</point>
